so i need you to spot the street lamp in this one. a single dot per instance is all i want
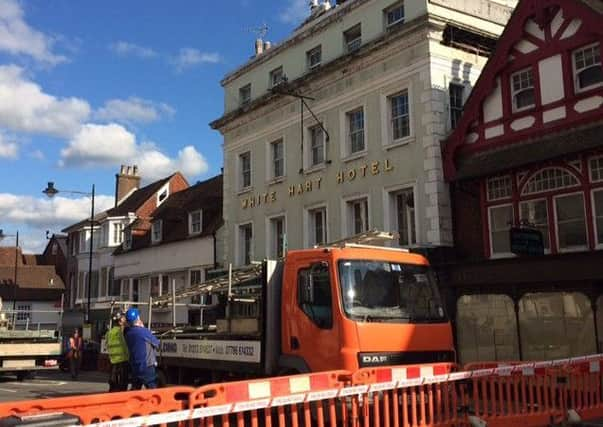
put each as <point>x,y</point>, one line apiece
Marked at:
<point>16,236</point>
<point>51,191</point>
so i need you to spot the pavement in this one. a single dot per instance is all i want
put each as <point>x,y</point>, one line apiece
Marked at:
<point>49,384</point>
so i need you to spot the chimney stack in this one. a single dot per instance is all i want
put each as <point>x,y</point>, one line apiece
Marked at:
<point>259,47</point>
<point>126,181</point>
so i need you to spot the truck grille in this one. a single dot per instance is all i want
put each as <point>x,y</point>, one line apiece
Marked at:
<point>404,358</point>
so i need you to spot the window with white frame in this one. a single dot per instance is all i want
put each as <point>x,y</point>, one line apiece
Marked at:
<point>245,95</point>
<point>598,215</point>
<point>155,288</point>
<point>163,194</point>
<point>84,241</point>
<point>105,234</point>
<point>596,169</point>
<point>104,287</point>
<point>94,284</point>
<point>399,115</point>
<point>165,284</point>
<point>195,220</point>
<point>195,277</point>
<point>499,187</point>
<point>549,179</point>
<point>394,15</point>
<point>156,231</point>
<point>314,57</point>
<point>534,214</point>
<point>404,210</point>
<point>245,170</point>
<point>317,222</point>
<point>114,284</point>
<point>455,93</point>
<point>358,216</point>
<point>571,224</point>
<point>23,312</point>
<point>588,72</point>
<point>353,38</point>
<point>277,237</point>
<point>317,145</point>
<point>277,76</point>
<point>245,243</point>
<point>118,233</point>
<point>355,124</point>
<point>522,90</point>
<point>500,221</point>
<point>277,158</point>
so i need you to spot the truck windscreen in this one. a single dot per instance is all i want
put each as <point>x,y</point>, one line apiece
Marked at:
<point>381,291</point>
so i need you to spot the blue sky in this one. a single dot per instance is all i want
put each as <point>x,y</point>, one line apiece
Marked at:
<point>87,86</point>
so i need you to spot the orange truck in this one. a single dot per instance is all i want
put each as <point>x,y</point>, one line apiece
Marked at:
<point>343,306</point>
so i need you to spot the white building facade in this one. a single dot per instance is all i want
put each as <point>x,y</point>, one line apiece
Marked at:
<point>387,80</point>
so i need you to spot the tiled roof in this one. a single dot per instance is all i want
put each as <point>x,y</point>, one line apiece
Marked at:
<point>206,195</point>
<point>137,198</point>
<point>39,277</point>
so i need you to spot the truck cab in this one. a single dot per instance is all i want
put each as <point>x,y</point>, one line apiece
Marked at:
<point>353,306</point>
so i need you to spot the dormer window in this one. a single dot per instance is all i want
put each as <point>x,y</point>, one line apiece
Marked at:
<point>163,194</point>
<point>353,38</point>
<point>588,73</point>
<point>156,231</point>
<point>195,222</point>
<point>522,90</point>
<point>277,76</point>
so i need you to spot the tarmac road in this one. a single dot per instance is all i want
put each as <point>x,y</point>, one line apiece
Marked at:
<point>52,384</point>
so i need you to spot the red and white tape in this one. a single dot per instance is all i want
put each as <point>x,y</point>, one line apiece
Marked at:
<point>299,389</point>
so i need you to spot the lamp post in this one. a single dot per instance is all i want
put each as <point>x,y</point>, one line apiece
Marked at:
<point>16,236</point>
<point>51,191</point>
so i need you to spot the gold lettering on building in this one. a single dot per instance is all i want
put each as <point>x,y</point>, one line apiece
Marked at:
<point>347,175</point>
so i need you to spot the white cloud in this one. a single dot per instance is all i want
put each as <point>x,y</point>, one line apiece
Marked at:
<point>54,213</point>
<point>189,57</point>
<point>8,149</point>
<point>130,49</point>
<point>18,38</point>
<point>112,144</point>
<point>34,215</point>
<point>134,110</point>
<point>296,11</point>
<point>24,107</point>
<point>99,145</point>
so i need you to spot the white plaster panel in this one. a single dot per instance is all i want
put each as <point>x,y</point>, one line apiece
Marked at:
<point>525,46</point>
<point>554,114</point>
<point>494,131</point>
<point>533,29</point>
<point>162,258</point>
<point>571,29</point>
<point>557,22</point>
<point>471,138</point>
<point>588,104</point>
<point>523,123</point>
<point>493,104</point>
<point>551,79</point>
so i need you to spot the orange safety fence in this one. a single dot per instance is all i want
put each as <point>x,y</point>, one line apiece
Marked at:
<point>95,408</point>
<point>527,394</point>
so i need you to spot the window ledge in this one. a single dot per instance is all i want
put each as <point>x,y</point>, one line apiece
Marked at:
<point>316,168</point>
<point>580,91</point>
<point>503,255</point>
<point>355,156</point>
<point>245,190</point>
<point>276,180</point>
<point>573,249</point>
<point>399,143</point>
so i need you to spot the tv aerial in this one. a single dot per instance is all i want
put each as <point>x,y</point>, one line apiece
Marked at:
<point>260,31</point>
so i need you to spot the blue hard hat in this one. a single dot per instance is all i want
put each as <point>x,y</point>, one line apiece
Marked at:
<point>132,314</point>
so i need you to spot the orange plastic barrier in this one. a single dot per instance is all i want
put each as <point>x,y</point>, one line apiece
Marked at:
<point>298,400</point>
<point>408,396</point>
<point>105,407</point>
<point>528,394</point>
